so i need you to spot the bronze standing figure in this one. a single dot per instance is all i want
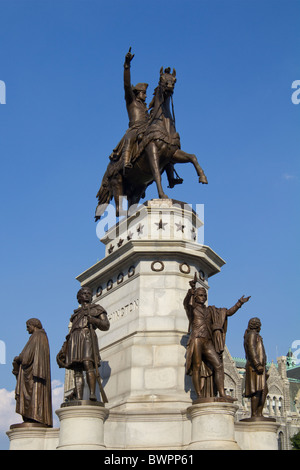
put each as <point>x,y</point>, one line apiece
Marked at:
<point>80,352</point>
<point>32,371</point>
<point>207,327</point>
<point>150,146</point>
<point>256,376</point>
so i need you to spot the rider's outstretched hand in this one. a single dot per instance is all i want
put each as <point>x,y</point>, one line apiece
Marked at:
<point>129,57</point>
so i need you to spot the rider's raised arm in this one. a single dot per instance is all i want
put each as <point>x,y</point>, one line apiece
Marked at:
<point>127,76</point>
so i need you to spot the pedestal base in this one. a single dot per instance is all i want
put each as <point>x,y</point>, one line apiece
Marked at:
<point>213,426</point>
<point>32,436</point>
<point>258,419</point>
<point>157,424</point>
<point>226,399</point>
<point>258,434</point>
<point>81,426</point>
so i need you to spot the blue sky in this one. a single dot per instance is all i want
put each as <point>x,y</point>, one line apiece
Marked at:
<point>61,62</point>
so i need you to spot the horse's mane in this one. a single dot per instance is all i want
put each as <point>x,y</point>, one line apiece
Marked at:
<point>155,93</point>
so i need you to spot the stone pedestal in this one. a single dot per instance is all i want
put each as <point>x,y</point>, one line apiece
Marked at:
<point>150,258</point>
<point>81,427</point>
<point>31,436</point>
<point>257,434</point>
<point>152,426</point>
<point>213,426</point>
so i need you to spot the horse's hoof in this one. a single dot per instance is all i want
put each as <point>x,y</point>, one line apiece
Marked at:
<point>164,196</point>
<point>203,179</point>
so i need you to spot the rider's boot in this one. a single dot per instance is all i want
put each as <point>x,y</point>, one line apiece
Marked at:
<point>174,181</point>
<point>126,161</point>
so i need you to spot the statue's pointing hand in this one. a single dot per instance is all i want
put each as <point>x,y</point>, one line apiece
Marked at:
<point>129,56</point>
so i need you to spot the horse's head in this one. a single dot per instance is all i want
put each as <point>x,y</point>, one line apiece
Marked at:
<point>167,81</point>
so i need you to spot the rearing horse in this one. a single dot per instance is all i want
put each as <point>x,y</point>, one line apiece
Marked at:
<point>158,148</point>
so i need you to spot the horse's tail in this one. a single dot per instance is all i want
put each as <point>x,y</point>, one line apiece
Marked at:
<point>104,196</point>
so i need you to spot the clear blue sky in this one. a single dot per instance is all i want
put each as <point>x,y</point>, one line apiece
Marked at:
<point>61,61</point>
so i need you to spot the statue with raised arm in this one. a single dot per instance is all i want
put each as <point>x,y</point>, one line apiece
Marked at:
<point>32,371</point>
<point>207,328</point>
<point>150,146</point>
<point>256,376</point>
<point>135,97</point>
<point>139,119</point>
<point>80,352</point>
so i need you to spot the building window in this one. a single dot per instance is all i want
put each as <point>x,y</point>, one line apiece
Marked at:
<point>280,441</point>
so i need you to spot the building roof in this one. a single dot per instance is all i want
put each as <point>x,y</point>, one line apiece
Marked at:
<point>293,372</point>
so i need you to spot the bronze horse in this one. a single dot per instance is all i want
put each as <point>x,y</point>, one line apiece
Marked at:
<point>158,148</point>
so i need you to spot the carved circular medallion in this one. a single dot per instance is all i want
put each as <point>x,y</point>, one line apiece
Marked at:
<point>120,278</point>
<point>109,284</point>
<point>184,268</point>
<point>157,266</point>
<point>99,291</point>
<point>131,271</point>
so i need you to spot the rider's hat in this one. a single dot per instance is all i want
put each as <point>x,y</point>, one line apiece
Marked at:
<point>140,87</point>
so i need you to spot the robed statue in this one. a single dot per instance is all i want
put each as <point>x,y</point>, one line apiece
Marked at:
<point>32,371</point>
<point>205,347</point>
<point>256,387</point>
<point>150,146</point>
<point>80,351</point>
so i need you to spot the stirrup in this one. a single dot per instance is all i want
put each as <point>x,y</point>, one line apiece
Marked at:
<point>174,182</point>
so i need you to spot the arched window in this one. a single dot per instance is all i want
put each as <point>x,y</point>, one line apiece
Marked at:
<point>274,404</point>
<point>280,407</point>
<point>280,441</point>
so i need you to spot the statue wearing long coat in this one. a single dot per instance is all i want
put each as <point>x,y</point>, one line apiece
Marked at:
<point>256,356</point>
<point>33,388</point>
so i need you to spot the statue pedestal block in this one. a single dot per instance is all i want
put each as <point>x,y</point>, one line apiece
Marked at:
<point>152,425</point>
<point>150,258</point>
<point>213,426</point>
<point>31,436</point>
<point>257,434</point>
<point>81,427</point>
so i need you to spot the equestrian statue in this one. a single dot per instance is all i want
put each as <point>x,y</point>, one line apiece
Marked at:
<point>149,147</point>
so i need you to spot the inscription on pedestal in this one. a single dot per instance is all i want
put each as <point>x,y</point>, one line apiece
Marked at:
<point>123,311</point>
